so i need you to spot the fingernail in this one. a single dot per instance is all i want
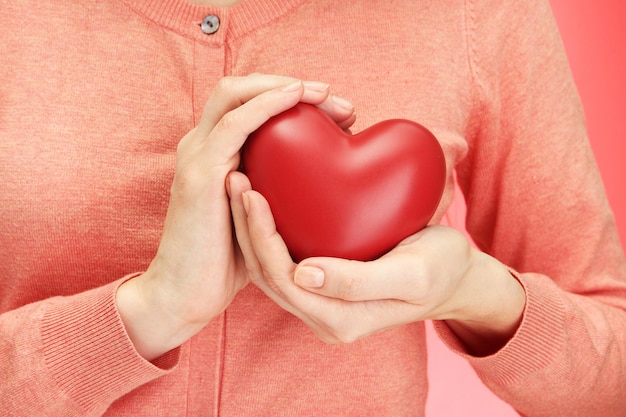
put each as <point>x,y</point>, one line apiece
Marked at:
<point>246,202</point>
<point>342,102</point>
<point>309,276</point>
<point>291,87</point>
<point>316,86</point>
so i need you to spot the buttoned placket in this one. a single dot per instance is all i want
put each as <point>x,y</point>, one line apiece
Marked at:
<point>209,66</point>
<point>210,57</point>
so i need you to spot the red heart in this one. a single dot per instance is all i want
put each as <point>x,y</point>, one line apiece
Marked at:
<point>348,196</point>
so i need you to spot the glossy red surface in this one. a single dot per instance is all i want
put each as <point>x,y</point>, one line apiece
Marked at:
<point>336,194</point>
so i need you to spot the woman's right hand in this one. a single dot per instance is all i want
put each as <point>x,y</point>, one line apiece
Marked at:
<point>198,268</point>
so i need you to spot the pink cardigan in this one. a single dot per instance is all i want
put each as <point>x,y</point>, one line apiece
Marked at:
<point>93,100</point>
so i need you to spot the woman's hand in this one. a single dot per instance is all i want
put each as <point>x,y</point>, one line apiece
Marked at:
<point>198,268</point>
<point>435,274</point>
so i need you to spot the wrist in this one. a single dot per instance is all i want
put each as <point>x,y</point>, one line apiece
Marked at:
<point>494,307</point>
<point>149,321</point>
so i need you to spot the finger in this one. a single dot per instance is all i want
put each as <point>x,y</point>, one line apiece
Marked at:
<point>276,264</point>
<point>273,267</point>
<point>331,319</point>
<point>231,131</point>
<point>231,92</point>
<point>277,267</point>
<point>267,244</point>
<point>340,110</point>
<point>237,184</point>
<point>393,276</point>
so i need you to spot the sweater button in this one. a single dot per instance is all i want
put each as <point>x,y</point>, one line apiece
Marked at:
<point>210,24</point>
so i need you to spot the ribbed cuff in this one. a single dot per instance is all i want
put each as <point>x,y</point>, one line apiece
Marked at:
<point>89,353</point>
<point>537,342</point>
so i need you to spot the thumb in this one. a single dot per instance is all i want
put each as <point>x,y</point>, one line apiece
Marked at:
<point>392,276</point>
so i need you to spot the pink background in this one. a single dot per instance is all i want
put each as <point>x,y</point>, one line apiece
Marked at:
<point>594,34</point>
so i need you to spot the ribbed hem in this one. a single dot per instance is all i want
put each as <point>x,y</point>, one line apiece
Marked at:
<point>535,345</point>
<point>89,353</point>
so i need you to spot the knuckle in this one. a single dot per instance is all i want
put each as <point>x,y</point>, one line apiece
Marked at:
<point>229,123</point>
<point>253,273</point>
<point>325,332</point>
<point>181,147</point>
<point>342,330</point>
<point>225,84</point>
<point>422,284</point>
<point>187,145</point>
<point>327,338</point>
<point>347,337</point>
<point>349,287</point>
<point>264,104</point>
<point>185,181</point>
<point>272,283</point>
<point>264,101</point>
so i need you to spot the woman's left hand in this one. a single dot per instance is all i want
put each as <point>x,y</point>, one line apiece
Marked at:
<point>434,274</point>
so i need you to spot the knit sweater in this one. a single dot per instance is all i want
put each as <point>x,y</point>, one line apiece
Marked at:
<point>95,96</point>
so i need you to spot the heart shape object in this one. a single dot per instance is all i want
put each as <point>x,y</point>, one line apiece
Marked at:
<point>341,195</point>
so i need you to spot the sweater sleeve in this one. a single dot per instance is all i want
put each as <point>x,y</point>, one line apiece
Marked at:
<point>70,356</point>
<point>536,202</point>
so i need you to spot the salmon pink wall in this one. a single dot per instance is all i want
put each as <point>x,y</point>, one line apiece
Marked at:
<point>594,34</point>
